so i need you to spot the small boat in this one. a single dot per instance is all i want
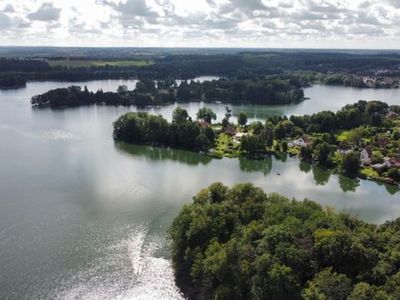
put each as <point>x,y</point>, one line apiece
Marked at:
<point>279,174</point>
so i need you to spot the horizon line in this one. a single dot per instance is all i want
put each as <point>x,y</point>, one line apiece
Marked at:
<point>201,47</point>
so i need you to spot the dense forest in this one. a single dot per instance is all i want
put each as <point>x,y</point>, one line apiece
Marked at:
<point>12,81</point>
<point>239,243</point>
<point>142,128</point>
<point>272,90</point>
<point>186,64</point>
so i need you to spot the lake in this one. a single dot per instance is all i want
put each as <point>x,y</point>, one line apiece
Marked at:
<point>83,217</point>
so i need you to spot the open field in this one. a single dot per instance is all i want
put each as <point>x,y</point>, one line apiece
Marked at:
<point>98,63</point>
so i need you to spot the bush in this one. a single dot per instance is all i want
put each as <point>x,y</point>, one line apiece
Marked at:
<point>351,164</point>
<point>394,174</point>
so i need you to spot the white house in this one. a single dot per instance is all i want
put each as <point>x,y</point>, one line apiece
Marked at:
<point>301,142</point>
<point>239,136</point>
<point>365,157</point>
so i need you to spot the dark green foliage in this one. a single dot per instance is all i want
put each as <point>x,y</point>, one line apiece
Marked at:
<point>322,152</point>
<point>394,173</point>
<point>146,86</point>
<point>240,243</point>
<point>328,285</point>
<point>283,129</point>
<point>190,63</point>
<point>142,128</point>
<point>253,145</point>
<point>351,164</point>
<point>12,81</point>
<point>74,96</point>
<point>180,115</point>
<point>349,117</point>
<point>206,114</point>
<point>306,154</point>
<point>242,119</point>
<point>146,94</point>
<point>396,134</point>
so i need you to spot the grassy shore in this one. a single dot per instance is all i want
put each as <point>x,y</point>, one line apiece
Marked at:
<point>99,63</point>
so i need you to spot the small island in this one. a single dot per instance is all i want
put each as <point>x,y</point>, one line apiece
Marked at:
<point>268,91</point>
<point>361,139</point>
<point>240,243</point>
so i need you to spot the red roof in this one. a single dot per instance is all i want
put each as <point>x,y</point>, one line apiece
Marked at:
<point>230,130</point>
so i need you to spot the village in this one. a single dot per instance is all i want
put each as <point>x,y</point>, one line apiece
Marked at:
<point>378,148</point>
<point>381,82</point>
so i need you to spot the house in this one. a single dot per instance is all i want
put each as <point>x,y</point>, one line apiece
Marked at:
<point>369,80</point>
<point>365,156</point>
<point>230,130</point>
<point>303,141</point>
<point>240,135</point>
<point>381,141</point>
<point>344,151</point>
<point>344,147</point>
<point>393,162</point>
<point>203,124</point>
<point>388,80</point>
<point>392,114</point>
<point>380,167</point>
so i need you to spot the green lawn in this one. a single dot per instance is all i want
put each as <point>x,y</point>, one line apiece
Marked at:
<point>369,172</point>
<point>343,136</point>
<point>98,63</point>
<point>225,146</point>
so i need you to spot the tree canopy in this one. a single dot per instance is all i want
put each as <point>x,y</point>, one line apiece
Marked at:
<point>147,129</point>
<point>240,243</point>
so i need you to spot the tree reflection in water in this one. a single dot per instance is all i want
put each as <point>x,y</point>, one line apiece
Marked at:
<point>321,175</point>
<point>348,184</point>
<point>251,165</point>
<point>157,154</point>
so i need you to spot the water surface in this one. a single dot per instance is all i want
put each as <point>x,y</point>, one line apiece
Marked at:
<point>83,217</point>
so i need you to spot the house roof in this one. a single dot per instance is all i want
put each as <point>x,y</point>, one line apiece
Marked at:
<point>230,130</point>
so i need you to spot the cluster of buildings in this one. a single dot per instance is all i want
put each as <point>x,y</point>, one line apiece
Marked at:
<point>365,153</point>
<point>388,162</point>
<point>386,81</point>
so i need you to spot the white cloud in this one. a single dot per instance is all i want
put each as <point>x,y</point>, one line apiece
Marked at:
<point>46,12</point>
<point>5,21</point>
<point>9,8</point>
<point>210,23</point>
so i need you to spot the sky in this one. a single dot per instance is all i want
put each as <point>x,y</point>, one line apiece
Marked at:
<point>364,24</point>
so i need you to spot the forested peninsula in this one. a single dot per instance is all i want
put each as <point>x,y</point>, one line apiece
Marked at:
<point>271,90</point>
<point>239,243</point>
<point>361,139</point>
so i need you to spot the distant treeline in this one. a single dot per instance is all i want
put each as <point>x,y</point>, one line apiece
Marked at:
<point>12,81</point>
<point>274,90</point>
<point>244,65</point>
<point>23,65</point>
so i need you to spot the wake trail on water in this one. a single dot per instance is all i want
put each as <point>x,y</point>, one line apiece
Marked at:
<point>56,135</point>
<point>130,270</point>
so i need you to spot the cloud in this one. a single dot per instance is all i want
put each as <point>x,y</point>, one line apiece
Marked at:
<point>324,7</point>
<point>365,30</point>
<point>395,3</point>
<point>5,21</point>
<point>138,8</point>
<point>46,12</point>
<point>135,8</point>
<point>244,23</point>
<point>9,8</point>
